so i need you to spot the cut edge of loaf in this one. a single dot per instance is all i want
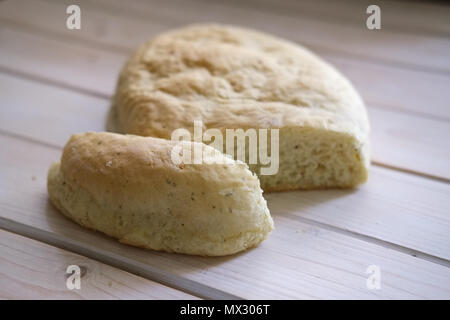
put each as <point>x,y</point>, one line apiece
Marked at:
<point>312,158</point>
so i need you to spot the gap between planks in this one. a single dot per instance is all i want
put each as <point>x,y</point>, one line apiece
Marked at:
<point>344,13</point>
<point>413,172</point>
<point>46,80</point>
<point>35,270</point>
<point>117,261</point>
<point>383,243</point>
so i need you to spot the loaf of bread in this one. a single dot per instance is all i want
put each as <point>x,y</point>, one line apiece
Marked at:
<point>129,187</point>
<point>231,77</point>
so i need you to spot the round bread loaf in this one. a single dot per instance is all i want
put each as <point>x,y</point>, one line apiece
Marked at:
<point>231,77</point>
<point>130,188</point>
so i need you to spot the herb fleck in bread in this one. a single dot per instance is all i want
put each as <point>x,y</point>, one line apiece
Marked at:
<point>128,187</point>
<point>231,77</point>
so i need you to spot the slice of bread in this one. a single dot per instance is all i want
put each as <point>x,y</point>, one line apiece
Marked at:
<point>129,188</point>
<point>229,78</point>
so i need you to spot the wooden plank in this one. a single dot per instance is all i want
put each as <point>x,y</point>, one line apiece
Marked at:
<point>112,259</point>
<point>410,142</point>
<point>407,49</point>
<point>59,61</point>
<point>412,91</point>
<point>73,65</point>
<point>127,21</point>
<point>328,263</point>
<point>34,270</point>
<point>415,16</point>
<point>98,28</point>
<point>396,142</point>
<point>392,206</point>
<point>47,113</point>
<point>299,260</point>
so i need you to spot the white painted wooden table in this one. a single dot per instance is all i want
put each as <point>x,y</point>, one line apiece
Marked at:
<point>55,82</point>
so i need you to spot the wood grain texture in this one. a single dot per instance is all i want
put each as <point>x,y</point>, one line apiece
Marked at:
<point>424,17</point>
<point>412,91</point>
<point>34,270</point>
<point>299,260</point>
<point>407,49</point>
<point>72,64</point>
<point>395,207</point>
<point>410,142</point>
<point>60,62</point>
<point>46,113</point>
<point>105,20</point>
<point>99,29</point>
